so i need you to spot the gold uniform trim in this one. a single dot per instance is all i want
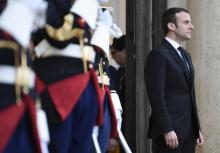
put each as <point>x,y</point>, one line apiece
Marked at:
<point>89,53</point>
<point>22,76</point>
<point>9,44</point>
<point>65,32</point>
<point>105,79</point>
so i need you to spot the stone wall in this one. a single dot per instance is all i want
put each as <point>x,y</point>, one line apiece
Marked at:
<point>205,51</point>
<point>119,13</point>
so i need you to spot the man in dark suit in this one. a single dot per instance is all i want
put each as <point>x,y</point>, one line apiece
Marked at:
<point>169,74</point>
<point>117,67</point>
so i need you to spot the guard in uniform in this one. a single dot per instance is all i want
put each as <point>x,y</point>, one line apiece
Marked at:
<point>112,113</point>
<point>66,79</point>
<point>18,132</point>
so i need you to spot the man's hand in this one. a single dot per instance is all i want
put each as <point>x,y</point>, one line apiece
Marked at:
<point>112,145</point>
<point>105,18</point>
<point>171,140</point>
<point>200,140</point>
<point>115,31</point>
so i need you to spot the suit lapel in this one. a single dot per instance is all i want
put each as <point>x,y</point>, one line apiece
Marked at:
<point>178,59</point>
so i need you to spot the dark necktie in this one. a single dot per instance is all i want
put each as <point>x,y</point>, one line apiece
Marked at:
<point>183,54</point>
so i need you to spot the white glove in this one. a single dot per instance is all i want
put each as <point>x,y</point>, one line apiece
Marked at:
<point>105,18</point>
<point>102,1</point>
<point>115,31</point>
<point>101,35</point>
<point>105,28</point>
<point>88,10</point>
<point>117,107</point>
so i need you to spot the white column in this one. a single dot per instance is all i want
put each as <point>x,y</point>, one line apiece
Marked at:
<point>176,3</point>
<point>119,13</point>
<point>205,51</point>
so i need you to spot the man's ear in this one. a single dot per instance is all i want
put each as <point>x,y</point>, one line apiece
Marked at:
<point>171,26</point>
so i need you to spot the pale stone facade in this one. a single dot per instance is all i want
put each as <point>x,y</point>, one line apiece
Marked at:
<point>205,52</point>
<point>119,13</point>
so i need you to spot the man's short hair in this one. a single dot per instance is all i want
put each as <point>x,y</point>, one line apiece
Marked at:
<point>170,16</point>
<point>119,43</point>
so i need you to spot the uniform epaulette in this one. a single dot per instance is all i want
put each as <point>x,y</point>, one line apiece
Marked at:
<point>73,29</point>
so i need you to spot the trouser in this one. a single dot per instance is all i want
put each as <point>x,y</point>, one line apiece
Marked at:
<point>74,135</point>
<point>104,129</point>
<point>22,140</point>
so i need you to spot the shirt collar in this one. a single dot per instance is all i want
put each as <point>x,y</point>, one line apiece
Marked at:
<point>115,64</point>
<point>173,43</point>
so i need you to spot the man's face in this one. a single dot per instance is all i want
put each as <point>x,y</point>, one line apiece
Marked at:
<point>183,30</point>
<point>120,57</point>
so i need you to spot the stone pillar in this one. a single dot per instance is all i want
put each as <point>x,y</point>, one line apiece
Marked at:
<point>176,3</point>
<point>119,13</point>
<point>136,110</point>
<point>205,50</point>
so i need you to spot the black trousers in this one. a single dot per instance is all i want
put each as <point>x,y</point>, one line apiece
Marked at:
<point>186,145</point>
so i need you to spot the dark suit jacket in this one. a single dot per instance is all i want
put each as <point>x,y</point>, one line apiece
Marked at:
<point>171,93</point>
